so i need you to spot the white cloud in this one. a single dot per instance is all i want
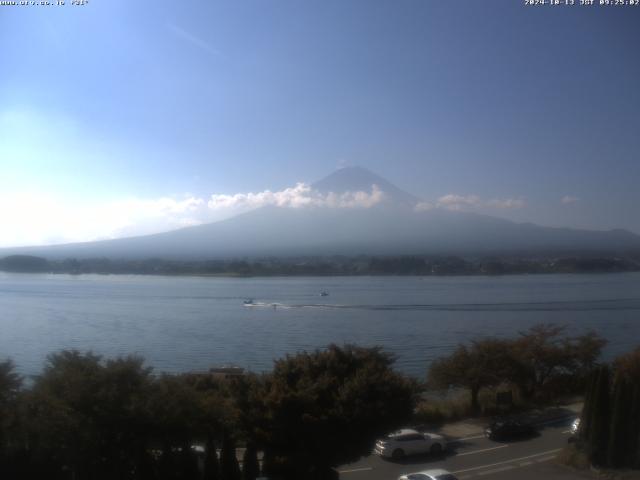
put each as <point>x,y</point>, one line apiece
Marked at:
<point>424,206</point>
<point>568,199</point>
<point>358,199</point>
<point>297,196</point>
<point>37,218</point>
<point>506,203</point>
<point>456,202</point>
<point>33,218</point>
<point>302,195</point>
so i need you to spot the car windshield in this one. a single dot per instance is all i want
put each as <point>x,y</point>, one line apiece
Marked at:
<point>446,476</point>
<point>418,476</point>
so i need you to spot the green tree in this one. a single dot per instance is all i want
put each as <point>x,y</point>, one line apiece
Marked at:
<point>543,354</point>
<point>598,436</point>
<point>610,421</point>
<point>211,464</point>
<point>10,385</point>
<point>122,418</point>
<point>175,409</point>
<point>269,467</point>
<point>620,432</point>
<point>91,415</point>
<point>586,416</point>
<point>482,364</point>
<point>633,458</point>
<point>229,466</point>
<point>63,417</point>
<point>250,465</point>
<point>327,407</point>
<point>629,365</point>
<point>215,413</point>
<point>541,360</point>
<point>248,418</point>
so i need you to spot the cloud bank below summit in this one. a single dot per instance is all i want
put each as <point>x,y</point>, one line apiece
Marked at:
<point>300,196</point>
<point>470,203</point>
<point>31,218</point>
<point>34,218</point>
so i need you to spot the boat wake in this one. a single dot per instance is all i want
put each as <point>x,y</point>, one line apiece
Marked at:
<point>268,305</point>
<point>585,305</point>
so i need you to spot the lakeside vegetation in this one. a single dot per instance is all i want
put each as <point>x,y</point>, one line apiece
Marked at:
<point>540,365</point>
<point>326,266</point>
<point>85,417</point>
<point>609,433</point>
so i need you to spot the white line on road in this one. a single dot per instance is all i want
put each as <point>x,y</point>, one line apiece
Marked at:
<point>496,470</point>
<point>547,422</point>
<point>508,461</point>
<point>353,470</point>
<point>480,451</point>
<point>545,459</point>
<point>556,420</point>
<point>468,438</point>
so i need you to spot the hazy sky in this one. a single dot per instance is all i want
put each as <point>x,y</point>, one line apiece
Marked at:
<point>122,117</point>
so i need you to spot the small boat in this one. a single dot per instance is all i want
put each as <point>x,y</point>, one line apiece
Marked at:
<point>249,301</point>
<point>324,293</point>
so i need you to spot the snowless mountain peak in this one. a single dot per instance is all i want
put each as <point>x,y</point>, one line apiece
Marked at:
<point>389,227</point>
<point>359,179</point>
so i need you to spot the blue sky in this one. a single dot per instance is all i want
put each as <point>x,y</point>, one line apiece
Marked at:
<point>122,117</point>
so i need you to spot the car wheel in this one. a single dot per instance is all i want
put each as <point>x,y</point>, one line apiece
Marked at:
<point>397,454</point>
<point>436,449</point>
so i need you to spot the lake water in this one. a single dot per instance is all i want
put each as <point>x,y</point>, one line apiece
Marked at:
<point>191,323</point>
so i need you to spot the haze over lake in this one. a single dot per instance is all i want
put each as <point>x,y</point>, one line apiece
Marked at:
<point>193,323</point>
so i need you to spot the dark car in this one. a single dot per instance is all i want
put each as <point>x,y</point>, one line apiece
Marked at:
<point>504,430</point>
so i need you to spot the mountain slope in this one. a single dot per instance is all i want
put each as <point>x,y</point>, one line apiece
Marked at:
<point>389,227</point>
<point>358,179</point>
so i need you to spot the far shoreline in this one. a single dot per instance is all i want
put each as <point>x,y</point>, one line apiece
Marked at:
<point>329,266</point>
<point>268,276</point>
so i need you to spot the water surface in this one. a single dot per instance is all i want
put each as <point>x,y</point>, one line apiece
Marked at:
<point>192,323</point>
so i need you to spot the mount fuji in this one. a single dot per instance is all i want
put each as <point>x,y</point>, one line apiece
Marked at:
<point>353,211</point>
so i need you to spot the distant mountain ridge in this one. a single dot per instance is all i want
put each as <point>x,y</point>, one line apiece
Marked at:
<point>390,227</point>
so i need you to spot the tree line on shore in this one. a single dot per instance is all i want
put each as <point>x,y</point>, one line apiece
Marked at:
<point>85,417</point>
<point>541,363</point>
<point>337,265</point>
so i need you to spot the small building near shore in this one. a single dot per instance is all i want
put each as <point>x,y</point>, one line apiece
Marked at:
<point>226,372</point>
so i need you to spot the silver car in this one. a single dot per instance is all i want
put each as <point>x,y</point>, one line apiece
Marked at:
<point>575,426</point>
<point>407,441</point>
<point>436,474</point>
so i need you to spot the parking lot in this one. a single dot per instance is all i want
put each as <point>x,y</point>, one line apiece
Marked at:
<point>478,457</point>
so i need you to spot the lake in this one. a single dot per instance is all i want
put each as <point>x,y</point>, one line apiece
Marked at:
<point>192,323</point>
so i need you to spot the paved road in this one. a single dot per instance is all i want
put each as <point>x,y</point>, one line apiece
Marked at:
<point>476,457</point>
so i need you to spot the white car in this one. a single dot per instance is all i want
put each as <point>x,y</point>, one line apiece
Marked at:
<point>407,441</point>
<point>575,426</point>
<point>437,474</point>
